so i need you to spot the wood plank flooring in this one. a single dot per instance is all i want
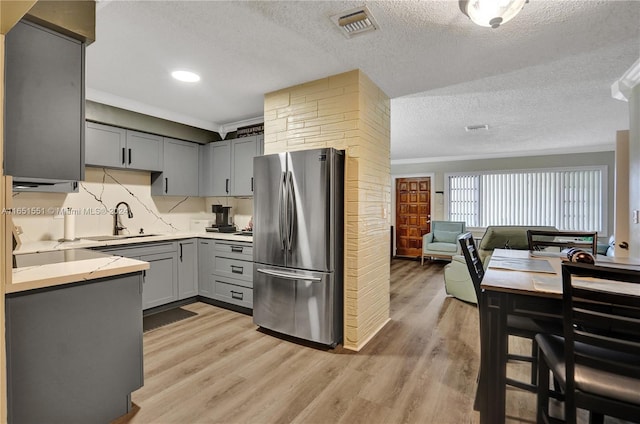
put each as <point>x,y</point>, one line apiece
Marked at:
<point>216,367</point>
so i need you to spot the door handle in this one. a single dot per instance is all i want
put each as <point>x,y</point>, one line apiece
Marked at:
<point>291,203</point>
<point>226,186</point>
<point>236,249</point>
<point>180,252</point>
<point>123,156</point>
<point>129,156</point>
<point>237,295</point>
<point>235,269</point>
<point>251,183</point>
<point>282,210</point>
<point>166,185</point>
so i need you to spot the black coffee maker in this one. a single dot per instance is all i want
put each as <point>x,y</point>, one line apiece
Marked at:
<point>222,224</point>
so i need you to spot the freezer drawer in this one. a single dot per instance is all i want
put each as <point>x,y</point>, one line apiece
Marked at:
<point>299,303</point>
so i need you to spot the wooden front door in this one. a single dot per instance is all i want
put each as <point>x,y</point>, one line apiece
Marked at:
<point>413,214</point>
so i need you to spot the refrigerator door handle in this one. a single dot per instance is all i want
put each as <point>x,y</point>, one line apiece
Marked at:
<point>282,210</point>
<point>291,206</point>
<point>288,276</point>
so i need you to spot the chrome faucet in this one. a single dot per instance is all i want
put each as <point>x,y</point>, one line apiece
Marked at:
<point>117,225</point>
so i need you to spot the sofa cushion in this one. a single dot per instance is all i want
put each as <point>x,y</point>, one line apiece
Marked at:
<point>445,236</point>
<point>442,247</point>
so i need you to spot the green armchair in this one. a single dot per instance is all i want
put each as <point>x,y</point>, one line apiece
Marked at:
<point>442,241</point>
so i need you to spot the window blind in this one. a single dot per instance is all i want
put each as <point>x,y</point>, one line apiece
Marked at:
<point>565,199</point>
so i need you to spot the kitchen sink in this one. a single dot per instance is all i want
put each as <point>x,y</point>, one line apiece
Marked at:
<point>122,237</point>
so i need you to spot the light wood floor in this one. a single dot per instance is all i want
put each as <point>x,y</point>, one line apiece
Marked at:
<point>421,368</point>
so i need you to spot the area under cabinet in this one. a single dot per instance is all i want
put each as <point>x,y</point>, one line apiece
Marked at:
<point>226,271</point>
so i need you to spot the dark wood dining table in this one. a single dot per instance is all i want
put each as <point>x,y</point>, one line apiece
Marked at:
<point>515,284</point>
<point>516,292</point>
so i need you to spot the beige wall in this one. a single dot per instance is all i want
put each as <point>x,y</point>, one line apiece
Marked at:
<point>347,112</point>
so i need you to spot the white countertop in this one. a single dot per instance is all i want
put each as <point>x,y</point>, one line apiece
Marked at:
<point>53,274</point>
<point>40,276</point>
<point>51,245</point>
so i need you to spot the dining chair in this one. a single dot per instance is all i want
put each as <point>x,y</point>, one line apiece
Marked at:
<point>518,326</point>
<point>540,239</point>
<point>597,362</point>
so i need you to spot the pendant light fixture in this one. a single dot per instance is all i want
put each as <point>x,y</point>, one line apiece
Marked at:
<point>491,13</point>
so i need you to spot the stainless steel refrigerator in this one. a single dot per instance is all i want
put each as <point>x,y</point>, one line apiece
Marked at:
<point>298,244</point>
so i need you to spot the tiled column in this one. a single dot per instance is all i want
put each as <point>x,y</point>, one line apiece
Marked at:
<point>347,112</point>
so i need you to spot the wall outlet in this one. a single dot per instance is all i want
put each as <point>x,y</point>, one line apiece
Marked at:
<point>636,216</point>
<point>18,229</point>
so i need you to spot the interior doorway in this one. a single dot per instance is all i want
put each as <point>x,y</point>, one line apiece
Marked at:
<point>413,214</point>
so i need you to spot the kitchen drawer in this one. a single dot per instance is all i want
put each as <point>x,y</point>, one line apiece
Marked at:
<point>237,250</point>
<point>234,268</point>
<point>224,291</point>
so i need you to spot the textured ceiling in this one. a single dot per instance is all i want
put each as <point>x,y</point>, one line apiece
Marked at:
<point>541,82</point>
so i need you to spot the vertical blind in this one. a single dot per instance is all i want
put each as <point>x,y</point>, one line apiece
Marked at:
<point>565,199</point>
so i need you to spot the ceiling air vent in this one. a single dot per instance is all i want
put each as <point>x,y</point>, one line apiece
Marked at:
<point>470,128</point>
<point>355,21</point>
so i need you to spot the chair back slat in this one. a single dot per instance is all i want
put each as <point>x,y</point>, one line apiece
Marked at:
<point>605,316</point>
<point>539,239</point>
<point>471,257</point>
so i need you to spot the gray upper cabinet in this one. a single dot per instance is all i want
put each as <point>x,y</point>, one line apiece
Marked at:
<point>180,171</point>
<point>144,151</point>
<point>218,157</point>
<point>44,104</point>
<point>105,145</point>
<point>114,147</point>
<point>227,166</point>
<point>243,152</point>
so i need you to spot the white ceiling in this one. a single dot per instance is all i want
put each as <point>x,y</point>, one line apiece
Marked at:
<point>542,82</point>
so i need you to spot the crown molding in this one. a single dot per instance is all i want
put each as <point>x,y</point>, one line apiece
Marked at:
<point>233,126</point>
<point>621,89</point>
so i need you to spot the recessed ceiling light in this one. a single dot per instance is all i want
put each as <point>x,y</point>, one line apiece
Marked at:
<point>185,76</point>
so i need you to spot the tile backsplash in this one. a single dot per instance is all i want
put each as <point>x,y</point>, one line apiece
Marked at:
<point>40,214</point>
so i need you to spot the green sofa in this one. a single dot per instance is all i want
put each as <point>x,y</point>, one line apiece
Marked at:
<point>457,281</point>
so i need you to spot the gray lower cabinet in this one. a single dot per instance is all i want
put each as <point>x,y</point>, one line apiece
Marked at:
<point>44,104</point>
<point>187,268</point>
<point>179,176</point>
<point>160,282</point>
<point>205,266</point>
<point>115,147</point>
<point>74,352</point>
<point>231,280</point>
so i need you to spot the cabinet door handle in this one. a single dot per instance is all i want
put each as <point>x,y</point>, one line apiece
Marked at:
<point>123,155</point>
<point>166,185</point>
<point>236,249</point>
<point>251,183</point>
<point>226,185</point>
<point>180,252</point>
<point>236,295</point>
<point>237,269</point>
<point>129,156</point>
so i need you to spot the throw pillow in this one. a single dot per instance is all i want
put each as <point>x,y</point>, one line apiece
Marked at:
<point>445,236</point>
